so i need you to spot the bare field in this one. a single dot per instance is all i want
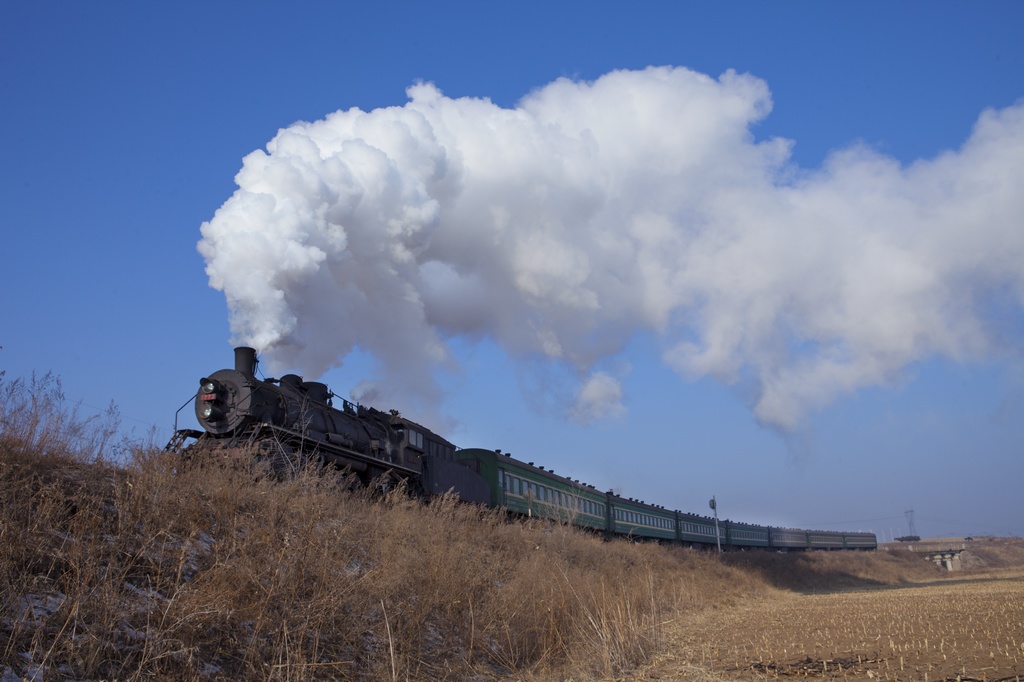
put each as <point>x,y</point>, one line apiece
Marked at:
<point>957,627</point>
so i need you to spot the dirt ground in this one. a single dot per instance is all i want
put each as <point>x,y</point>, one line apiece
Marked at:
<point>961,627</point>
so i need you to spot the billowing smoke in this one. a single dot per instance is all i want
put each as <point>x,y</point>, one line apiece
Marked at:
<point>594,211</point>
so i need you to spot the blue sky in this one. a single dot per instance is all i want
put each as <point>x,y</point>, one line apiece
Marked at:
<point>862,357</point>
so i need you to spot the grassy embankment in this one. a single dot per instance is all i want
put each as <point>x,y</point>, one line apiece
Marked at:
<point>147,569</point>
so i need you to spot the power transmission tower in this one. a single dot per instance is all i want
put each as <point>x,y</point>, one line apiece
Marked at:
<point>910,522</point>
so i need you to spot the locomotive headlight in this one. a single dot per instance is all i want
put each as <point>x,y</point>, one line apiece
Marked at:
<point>210,412</point>
<point>208,389</point>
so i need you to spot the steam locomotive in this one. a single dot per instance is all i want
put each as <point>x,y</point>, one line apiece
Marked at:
<point>289,422</point>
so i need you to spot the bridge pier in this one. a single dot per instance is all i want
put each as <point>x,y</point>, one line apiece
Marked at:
<point>950,559</point>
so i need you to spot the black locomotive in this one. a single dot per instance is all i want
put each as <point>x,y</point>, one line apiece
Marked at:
<point>289,422</point>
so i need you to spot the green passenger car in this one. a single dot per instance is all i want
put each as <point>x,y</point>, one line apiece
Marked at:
<point>700,530</point>
<point>860,541</point>
<point>746,535</point>
<point>637,519</point>
<point>533,491</point>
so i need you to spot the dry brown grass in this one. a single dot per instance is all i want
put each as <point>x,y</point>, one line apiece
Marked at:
<point>213,572</point>
<point>151,568</point>
<point>982,554</point>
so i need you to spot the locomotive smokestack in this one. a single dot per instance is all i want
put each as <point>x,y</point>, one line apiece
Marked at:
<point>245,360</point>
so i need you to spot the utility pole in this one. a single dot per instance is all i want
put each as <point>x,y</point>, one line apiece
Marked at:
<point>718,536</point>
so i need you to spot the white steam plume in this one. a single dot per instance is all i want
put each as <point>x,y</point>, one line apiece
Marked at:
<point>594,211</point>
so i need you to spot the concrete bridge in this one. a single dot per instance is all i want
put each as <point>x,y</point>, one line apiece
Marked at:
<point>942,553</point>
